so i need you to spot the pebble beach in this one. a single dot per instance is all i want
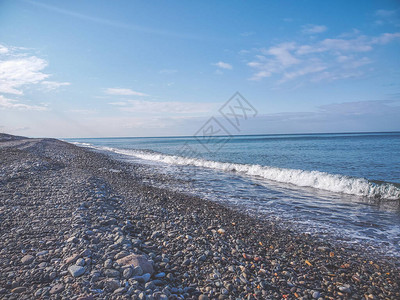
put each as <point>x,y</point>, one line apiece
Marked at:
<point>78,224</point>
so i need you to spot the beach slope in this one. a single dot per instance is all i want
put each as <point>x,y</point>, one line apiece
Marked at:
<point>79,224</point>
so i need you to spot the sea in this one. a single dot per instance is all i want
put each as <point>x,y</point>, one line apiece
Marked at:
<point>339,186</point>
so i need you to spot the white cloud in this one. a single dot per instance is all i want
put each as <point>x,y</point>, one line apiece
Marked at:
<point>336,75</point>
<point>386,16</point>
<point>223,65</point>
<point>352,33</point>
<point>6,103</point>
<point>308,69</point>
<point>123,92</point>
<point>52,85</point>
<point>359,44</point>
<point>171,107</point>
<point>385,38</point>
<point>282,54</point>
<point>260,75</point>
<point>18,70</point>
<point>356,63</point>
<point>330,58</point>
<point>313,29</point>
<point>281,59</point>
<point>3,49</point>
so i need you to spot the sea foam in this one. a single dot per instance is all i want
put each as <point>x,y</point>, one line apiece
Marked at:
<point>320,180</point>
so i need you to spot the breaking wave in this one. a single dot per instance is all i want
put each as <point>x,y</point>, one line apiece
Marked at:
<point>320,180</point>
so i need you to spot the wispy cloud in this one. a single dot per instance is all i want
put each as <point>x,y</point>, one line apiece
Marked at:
<point>313,29</point>
<point>123,92</point>
<point>325,59</point>
<point>7,103</point>
<point>385,13</point>
<point>114,23</point>
<point>247,33</point>
<point>169,107</point>
<point>385,38</point>
<point>18,70</point>
<point>223,65</point>
<point>385,16</point>
<point>168,71</point>
<point>119,103</point>
<point>282,59</point>
<point>53,85</point>
<point>359,44</point>
<point>308,69</point>
<point>282,54</point>
<point>83,111</point>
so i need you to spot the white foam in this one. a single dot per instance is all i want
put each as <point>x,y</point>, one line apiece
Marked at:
<point>81,144</point>
<point>315,179</point>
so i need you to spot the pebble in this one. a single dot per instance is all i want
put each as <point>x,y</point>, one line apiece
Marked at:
<point>86,252</point>
<point>119,290</point>
<point>149,285</point>
<point>112,284</point>
<point>72,258</point>
<point>160,275</point>
<point>127,273</point>
<point>316,294</point>
<point>111,273</point>
<point>73,239</point>
<point>345,289</point>
<point>18,290</point>
<point>146,277</point>
<point>58,288</point>
<point>27,259</point>
<point>108,264</point>
<point>42,253</point>
<point>80,262</point>
<point>137,261</point>
<point>121,238</point>
<point>76,271</point>
<point>137,271</point>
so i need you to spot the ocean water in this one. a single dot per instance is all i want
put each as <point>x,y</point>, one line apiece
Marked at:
<point>337,186</point>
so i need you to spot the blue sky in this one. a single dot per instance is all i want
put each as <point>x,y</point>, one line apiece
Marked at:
<point>155,68</point>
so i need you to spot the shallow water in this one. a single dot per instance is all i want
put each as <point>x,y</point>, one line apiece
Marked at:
<point>341,185</point>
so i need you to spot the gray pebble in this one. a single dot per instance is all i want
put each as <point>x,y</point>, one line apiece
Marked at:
<point>76,271</point>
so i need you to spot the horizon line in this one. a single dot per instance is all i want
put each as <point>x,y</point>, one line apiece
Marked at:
<point>259,134</point>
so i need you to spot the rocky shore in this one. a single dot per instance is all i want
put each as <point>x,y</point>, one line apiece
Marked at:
<point>76,224</point>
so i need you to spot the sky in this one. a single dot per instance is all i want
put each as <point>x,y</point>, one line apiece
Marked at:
<point>164,68</point>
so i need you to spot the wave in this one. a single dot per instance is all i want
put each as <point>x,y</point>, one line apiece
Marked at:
<point>81,144</point>
<point>320,180</point>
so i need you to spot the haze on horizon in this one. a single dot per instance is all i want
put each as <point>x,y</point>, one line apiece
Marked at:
<point>135,68</point>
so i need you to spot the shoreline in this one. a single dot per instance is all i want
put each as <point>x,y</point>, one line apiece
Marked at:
<point>63,206</point>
